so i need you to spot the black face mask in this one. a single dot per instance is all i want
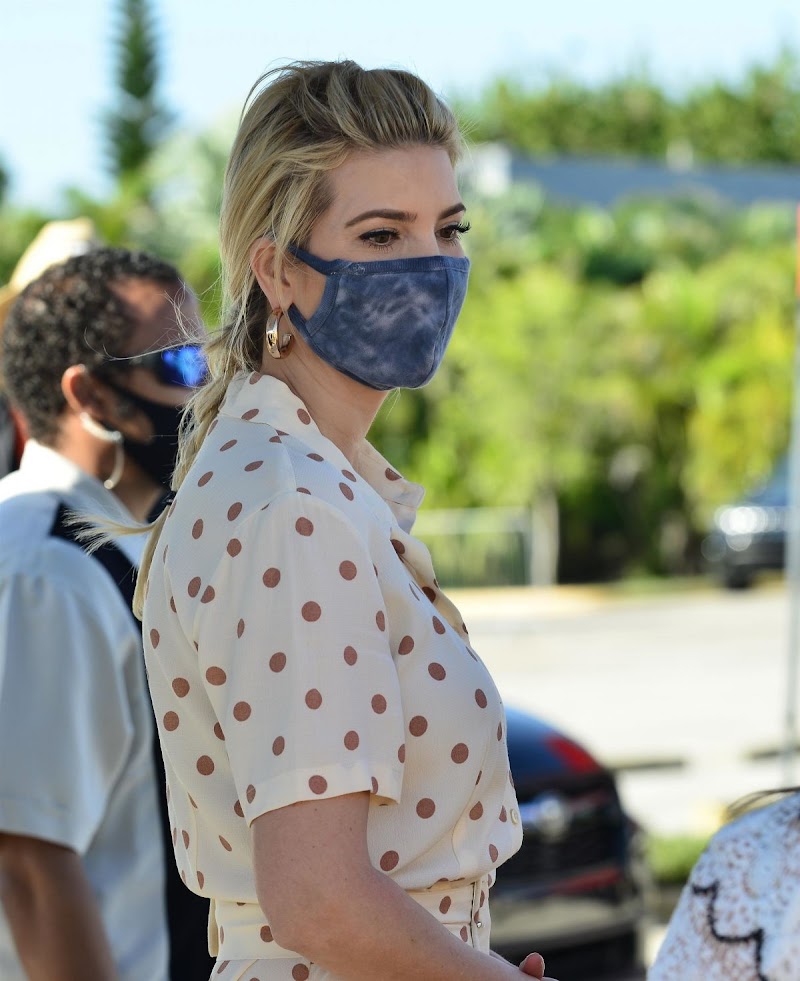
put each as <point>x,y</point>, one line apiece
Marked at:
<point>157,456</point>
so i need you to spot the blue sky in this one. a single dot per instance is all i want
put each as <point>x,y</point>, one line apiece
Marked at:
<point>56,58</point>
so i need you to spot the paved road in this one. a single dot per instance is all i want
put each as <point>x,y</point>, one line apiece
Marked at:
<point>697,677</point>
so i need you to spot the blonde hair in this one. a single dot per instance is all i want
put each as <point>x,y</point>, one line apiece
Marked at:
<point>299,122</point>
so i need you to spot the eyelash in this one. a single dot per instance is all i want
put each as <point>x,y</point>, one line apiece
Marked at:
<point>457,231</point>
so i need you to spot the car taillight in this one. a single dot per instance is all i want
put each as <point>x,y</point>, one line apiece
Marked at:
<point>575,757</point>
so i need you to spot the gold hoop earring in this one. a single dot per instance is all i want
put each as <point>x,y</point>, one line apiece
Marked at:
<point>277,344</point>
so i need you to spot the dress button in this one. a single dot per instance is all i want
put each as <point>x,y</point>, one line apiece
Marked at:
<point>478,923</point>
<point>514,815</point>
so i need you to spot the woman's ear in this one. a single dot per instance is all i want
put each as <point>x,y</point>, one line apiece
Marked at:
<point>270,273</point>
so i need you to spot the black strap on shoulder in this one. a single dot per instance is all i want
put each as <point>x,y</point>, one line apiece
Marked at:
<point>187,913</point>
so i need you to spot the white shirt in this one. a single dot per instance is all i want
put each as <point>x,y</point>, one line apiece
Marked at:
<point>739,914</point>
<point>75,720</point>
<point>299,646</point>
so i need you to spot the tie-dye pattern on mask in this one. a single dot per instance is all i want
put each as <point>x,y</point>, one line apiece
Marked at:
<point>385,323</point>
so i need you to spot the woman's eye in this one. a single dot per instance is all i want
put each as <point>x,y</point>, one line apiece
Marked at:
<point>451,233</point>
<point>380,236</point>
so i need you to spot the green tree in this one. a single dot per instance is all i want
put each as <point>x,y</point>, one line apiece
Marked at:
<point>138,122</point>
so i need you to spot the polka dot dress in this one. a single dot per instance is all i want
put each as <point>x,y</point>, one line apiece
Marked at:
<point>299,647</point>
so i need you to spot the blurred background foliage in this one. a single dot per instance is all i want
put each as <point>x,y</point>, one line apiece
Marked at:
<point>627,370</point>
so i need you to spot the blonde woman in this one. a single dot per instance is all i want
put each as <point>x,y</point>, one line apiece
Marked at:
<point>335,750</point>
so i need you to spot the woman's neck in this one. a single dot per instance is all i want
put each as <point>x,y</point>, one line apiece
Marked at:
<point>342,408</point>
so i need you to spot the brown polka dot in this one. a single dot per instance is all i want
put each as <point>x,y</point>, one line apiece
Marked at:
<point>174,836</point>
<point>391,474</point>
<point>191,801</point>
<point>350,655</point>
<point>347,570</point>
<point>218,731</point>
<point>237,809</point>
<point>304,527</point>
<point>317,784</point>
<point>181,687</point>
<point>499,731</point>
<point>241,711</point>
<point>445,904</point>
<point>271,578</point>
<point>459,753</point>
<point>197,528</point>
<point>253,379</point>
<point>464,934</point>
<point>436,671</point>
<point>493,853</point>
<point>480,698</point>
<point>222,936</point>
<point>172,604</point>
<point>503,815</point>
<point>311,611</point>
<point>228,445</point>
<point>208,595</point>
<point>266,934</point>
<point>300,972</point>
<point>315,456</point>
<point>313,698</point>
<point>438,626</point>
<point>476,813</point>
<point>418,726</point>
<point>425,808</point>
<point>406,645</point>
<point>240,628</point>
<point>380,619</point>
<point>275,439</point>
<point>185,836</point>
<point>234,547</point>
<point>378,704</point>
<point>278,746</point>
<point>277,662</point>
<point>347,491</point>
<point>253,465</point>
<point>349,474</point>
<point>155,637</point>
<point>374,785</point>
<point>234,511</point>
<point>250,793</point>
<point>389,861</point>
<point>398,546</point>
<point>250,414</point>
<point>304,417</point>
<point>478,778</point>
<point>303,490</point>
<point>401,753</point>
<point>171,721</point>
<point>225,843</point>
<point>430,593</point>
<point>216,676</point>
<point>205,766</point>
<point>201,879</point>
<point>351,740</point>
<point>205,478</point>
<point>194,586</point>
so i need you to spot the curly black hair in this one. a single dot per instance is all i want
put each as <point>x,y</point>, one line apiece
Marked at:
<point>70,315</point>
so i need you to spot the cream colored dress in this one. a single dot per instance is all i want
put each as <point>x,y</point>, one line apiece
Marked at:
<point>299,647</point>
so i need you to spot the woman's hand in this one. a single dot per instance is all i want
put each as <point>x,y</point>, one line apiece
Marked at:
<point>533,966</point>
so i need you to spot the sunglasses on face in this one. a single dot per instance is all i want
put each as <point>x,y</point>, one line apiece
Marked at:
<point>184,366</point>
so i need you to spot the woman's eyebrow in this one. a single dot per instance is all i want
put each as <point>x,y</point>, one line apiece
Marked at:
<point>404,216</point>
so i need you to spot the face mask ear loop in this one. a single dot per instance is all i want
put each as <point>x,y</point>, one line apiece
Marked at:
<point>107,436</point>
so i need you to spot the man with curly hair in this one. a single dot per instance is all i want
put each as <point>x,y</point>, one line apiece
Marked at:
<point>96,361</point>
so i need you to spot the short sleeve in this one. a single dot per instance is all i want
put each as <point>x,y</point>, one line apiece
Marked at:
<point>296,661</point>
<point>65,724</point>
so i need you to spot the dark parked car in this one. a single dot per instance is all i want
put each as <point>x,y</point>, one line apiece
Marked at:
<point>751,535</point>
<point>575,890</point>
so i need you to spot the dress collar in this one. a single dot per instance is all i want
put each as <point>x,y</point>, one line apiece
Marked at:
<point>263,398</point>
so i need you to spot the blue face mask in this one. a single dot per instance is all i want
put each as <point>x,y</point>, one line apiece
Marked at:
<point>385,323</point>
